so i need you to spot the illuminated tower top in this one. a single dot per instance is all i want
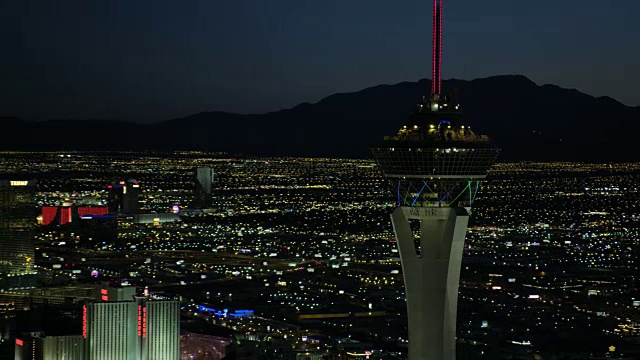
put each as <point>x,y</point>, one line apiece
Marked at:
<point>436,159</point>
<point>436,59</point>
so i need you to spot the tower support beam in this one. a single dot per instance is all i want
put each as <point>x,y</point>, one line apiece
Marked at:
<point>431,277</point>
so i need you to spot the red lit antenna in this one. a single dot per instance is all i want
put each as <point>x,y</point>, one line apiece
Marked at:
<point>436,73</point>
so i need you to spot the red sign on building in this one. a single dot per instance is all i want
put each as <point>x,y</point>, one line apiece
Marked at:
<point>84,321</point>
<point>144,322</point>
<point>139,320</point>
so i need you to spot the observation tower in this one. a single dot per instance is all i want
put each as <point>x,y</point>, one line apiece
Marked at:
<point>434,165</point>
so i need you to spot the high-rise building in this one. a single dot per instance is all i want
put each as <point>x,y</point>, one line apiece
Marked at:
<point>141,329</point>
<point>434,165</point>
<point>37,346</point>
<point>18,213</point>
<point>160,330</point>
<point>110,330</point>
<point>116,293</point>
<point>124,197</point>
<point>204,177</point>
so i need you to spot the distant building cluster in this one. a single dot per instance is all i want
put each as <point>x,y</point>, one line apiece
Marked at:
<point>120,326</point>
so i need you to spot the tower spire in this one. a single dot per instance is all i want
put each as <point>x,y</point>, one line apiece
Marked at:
<point>436,61</point>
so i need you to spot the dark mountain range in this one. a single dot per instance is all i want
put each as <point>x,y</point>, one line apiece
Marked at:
<point>529,122</point>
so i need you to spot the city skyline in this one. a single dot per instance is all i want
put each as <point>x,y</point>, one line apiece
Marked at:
<point>297,254</point>
<point>249,57</point>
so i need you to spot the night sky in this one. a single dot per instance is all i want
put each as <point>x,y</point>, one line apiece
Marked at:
<point>153,60</point>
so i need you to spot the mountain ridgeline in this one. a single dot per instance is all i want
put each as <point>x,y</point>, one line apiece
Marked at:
<point>529,122</point>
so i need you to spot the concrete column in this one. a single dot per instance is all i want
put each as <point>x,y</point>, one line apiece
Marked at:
<point>431,278</point>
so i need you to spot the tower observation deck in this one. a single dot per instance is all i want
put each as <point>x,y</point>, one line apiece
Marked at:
<point>434,165</point>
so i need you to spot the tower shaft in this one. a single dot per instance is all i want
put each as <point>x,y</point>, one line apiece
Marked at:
<point>436,57</point>
<point>431,277</point>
